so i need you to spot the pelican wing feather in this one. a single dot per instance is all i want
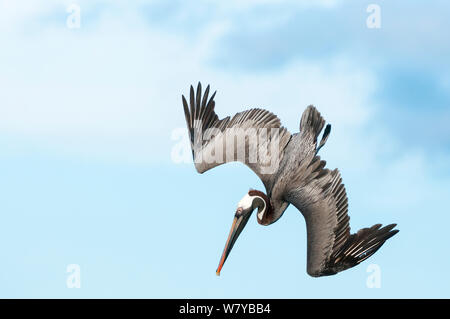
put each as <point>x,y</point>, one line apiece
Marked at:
<point>254,137</point>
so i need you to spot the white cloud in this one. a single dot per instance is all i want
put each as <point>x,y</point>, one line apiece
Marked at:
<point>113,90</point>
<point>245,4</point>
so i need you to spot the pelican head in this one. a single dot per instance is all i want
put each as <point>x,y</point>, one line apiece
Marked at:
<point>252,200</point>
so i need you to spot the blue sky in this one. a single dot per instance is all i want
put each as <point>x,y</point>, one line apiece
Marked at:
<point>90,118</point>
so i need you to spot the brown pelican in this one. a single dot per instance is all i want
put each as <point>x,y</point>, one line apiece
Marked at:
<point>296,175</point>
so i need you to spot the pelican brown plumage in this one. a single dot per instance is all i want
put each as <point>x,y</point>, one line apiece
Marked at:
<point>295,175</point>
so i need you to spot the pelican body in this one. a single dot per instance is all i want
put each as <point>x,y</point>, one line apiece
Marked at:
<point>296,175</point>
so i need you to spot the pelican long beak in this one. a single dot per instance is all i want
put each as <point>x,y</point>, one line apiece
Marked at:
<point>240,220</point>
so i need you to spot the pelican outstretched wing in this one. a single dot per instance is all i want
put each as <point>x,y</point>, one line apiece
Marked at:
<point>254,137</point>
<point>321,197</point>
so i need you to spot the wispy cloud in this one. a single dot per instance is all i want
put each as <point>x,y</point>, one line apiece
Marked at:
<point>111,87</point>
<point>110,91</point>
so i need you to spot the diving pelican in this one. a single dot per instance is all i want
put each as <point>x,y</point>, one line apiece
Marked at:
<point>296,175</point>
